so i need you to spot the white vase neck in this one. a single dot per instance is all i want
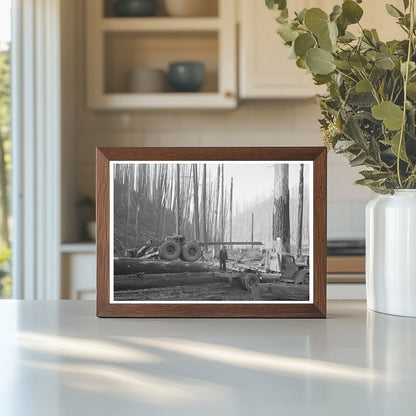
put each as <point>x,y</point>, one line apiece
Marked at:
<point>407,192</point>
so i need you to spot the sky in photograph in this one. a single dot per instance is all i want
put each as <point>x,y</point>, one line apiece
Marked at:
<point>253,181</point>
<point>4,21</point>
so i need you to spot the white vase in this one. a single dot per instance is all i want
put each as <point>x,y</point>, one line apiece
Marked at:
<point>391,253</point>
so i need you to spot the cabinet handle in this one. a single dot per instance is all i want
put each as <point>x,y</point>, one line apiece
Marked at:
<point>229,94</point>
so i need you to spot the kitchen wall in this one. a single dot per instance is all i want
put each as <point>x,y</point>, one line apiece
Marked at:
<point>253,123</point>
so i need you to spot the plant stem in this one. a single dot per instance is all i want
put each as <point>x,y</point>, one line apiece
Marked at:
<point>406,80</point>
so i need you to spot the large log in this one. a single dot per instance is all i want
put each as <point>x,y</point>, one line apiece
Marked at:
<point>134,282</point>
<point>128,265</point>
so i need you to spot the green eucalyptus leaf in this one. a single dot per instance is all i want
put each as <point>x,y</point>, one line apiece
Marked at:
<point>411,90</point>
<point>325,42</point>
<point>374,174</point>
<point>336,12</point>
<point>343,145</point>
<point>316,20</point>
<point>342,25</point>
<point>375,35</point>
<point>287,33</point>
<point>368,36</point>
<point>321,79</point>
<point>301,15</point>
<point>344,65</point>
<point>303,43</point>
<point>320,61</point>
<point>276,4</point>
<point>358,160</point>
<point>351,11</point>
<point>384,62</point>
<point>301,63</point>
<point>363,86</point>
<point>388,112</point>
<point>347,37</point>
<point>394,146</point>
<point>393,11</point>
<point>333,32</point>
<point>358,61</point>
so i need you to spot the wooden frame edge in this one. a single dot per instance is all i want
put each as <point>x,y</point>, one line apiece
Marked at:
<point>317,309</point>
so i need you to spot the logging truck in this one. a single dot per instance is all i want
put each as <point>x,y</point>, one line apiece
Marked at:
<point>177,247</point>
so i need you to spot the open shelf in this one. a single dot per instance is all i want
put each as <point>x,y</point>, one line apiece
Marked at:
<point>119,45</point>
<point>160,24</point>
<point>211,9</point>
<point>127,51</point>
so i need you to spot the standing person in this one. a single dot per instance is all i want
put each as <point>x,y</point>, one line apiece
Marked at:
<point>223,259</point>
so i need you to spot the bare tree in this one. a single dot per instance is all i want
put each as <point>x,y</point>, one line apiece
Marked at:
<point>204,203</point>
<point>252,230</point>
<point>222,204</point>
<point>231,210</point>
<point>300,212</point>
<point>196,210</point>
<point>178,199</point>
<point>217,200</point>
<point>281,214</point>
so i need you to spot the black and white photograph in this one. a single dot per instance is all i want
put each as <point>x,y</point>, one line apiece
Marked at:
<point>211,232</point>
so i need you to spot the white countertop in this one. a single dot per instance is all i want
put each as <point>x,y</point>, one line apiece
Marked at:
<point>57,358</point>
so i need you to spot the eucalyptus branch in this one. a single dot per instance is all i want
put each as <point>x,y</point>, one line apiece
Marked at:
<point>406,80</point>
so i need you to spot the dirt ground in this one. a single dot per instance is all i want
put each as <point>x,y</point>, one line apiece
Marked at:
<point>232,291</point>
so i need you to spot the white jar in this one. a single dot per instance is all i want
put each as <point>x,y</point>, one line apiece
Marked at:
<point>391,253</point>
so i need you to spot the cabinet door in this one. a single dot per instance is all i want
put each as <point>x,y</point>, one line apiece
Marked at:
<point>265,68</point>
<point>78,276</point>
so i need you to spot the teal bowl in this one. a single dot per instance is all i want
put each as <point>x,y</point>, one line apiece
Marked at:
<point>135,8</point>
<point>186,76</point>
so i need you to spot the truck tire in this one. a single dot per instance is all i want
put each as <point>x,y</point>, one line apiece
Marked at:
<point>249,280</point>
<point>302,277</point>
<point>169,250</point>
<point>191,252</point>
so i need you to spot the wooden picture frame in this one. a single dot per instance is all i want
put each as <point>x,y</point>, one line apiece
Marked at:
<point>315,157</point>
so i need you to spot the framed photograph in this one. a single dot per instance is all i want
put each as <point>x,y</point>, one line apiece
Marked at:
<point>211,232</point>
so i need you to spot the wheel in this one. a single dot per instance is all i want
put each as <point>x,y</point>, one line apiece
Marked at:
<point>191,252</point>
<point>249,280</point>
<point>169,250</point>
<point>302,277</point>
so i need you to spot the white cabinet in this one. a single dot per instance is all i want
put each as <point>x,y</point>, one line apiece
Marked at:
<point>78,262</point>
<point>117,45</point>
<point>265,70</point>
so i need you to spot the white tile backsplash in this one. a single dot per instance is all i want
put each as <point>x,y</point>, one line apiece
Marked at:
<point>258,123</point>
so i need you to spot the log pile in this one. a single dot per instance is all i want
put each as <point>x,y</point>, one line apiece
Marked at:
<point>128,266</point>
<point>134,282</point>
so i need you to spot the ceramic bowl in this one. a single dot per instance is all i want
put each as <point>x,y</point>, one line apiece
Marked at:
<point>186,76</point>
<point>147,80</point>
<point>135,8</point>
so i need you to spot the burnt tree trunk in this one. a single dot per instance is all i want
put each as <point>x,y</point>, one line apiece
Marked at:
<point>231,210</point>
<point>222,204</point>
<point>178,199</point>
<point>300,213</point>
<point>196,198</point>
<point>281,214</point>
<point>217,201</point>
<point>252,230</point>
<point>204,204</point>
